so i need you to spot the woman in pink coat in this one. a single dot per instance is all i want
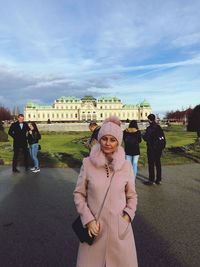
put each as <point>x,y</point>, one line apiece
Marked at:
<point>114,244</point>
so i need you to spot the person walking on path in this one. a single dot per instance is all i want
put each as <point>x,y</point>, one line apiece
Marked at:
<point>18,131</point>
<point>155,139</point>
<point>114,244</point>
<point>132,138</point>
<point>33,138</point>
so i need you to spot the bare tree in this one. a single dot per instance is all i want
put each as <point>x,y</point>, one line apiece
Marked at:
<point>4,114</point>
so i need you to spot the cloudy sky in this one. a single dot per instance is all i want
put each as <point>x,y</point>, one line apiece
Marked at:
<point>132,49</point>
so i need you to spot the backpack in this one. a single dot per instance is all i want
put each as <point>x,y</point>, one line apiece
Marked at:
<point>160,140</point>
<point>130,140</point>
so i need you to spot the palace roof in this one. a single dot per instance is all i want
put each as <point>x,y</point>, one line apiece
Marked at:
<point>144,104</point>
<point>88,98</point>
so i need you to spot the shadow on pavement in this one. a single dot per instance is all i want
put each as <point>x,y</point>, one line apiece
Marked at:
<point>71,161</point>
<point>152,250</point>
<point>142,178</point>
<point>35,223</point>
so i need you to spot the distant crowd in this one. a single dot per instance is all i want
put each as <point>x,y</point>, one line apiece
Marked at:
<point>26,138</point>
<point>132,137</point>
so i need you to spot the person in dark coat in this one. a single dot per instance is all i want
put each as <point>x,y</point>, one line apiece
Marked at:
<point>132,138</point>
<point>18,131</point>
<point>155,139</point>
<point>94,128</point>
<point>33,137</point>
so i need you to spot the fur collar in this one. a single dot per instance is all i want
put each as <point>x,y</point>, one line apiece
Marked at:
<point>98,158</point>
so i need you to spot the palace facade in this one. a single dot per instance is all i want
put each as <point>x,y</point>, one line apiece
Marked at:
<point>88,108</point>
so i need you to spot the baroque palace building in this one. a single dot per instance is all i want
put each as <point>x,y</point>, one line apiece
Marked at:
<point>88,108</point>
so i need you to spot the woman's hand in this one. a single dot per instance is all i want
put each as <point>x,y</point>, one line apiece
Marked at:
<point>126,217</point>
<point>93,228</point>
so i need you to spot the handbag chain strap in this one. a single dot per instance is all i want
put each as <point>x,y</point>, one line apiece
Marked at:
<point>100,210</point>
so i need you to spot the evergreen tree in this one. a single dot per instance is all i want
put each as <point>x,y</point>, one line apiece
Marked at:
<point>194,120</point>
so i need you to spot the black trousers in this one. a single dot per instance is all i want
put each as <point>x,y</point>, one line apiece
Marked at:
<point>154,155</point>
<point>16,156</point>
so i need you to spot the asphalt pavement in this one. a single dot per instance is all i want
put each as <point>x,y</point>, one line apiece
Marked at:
<point>36,212</point>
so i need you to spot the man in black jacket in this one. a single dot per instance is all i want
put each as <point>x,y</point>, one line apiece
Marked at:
<point>18,131</point>
<point>155,139</point>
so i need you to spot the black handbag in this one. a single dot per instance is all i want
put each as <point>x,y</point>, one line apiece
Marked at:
<point>39,147</point>
<point>82,232</point>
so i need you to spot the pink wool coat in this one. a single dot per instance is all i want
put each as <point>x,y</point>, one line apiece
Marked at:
<point>115,245</point>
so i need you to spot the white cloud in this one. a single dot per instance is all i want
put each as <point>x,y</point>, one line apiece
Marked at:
<point>187,40</point>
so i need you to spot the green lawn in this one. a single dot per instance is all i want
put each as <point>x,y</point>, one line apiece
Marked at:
<point>59,150</point>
